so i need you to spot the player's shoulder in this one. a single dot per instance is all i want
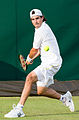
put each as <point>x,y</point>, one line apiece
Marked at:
<point>44,29</point>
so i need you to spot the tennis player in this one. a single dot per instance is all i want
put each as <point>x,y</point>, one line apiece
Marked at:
<point>45,45</point>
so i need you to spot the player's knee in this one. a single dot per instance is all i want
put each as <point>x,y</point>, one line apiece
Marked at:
<point>40,92</point>
<point>30,78</point>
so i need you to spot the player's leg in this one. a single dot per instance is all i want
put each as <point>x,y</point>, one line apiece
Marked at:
<point>45,79</point>
<point>17,111</point>
<point>31,78</point>
<point>66,98</point>
<point>48,92</point>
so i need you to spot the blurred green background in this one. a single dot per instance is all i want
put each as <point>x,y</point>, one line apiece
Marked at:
<point>16,35</point>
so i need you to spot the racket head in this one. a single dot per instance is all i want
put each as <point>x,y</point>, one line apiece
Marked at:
<point>22,62</point>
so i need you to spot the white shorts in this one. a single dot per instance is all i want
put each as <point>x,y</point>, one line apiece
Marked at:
<point>45,74</point>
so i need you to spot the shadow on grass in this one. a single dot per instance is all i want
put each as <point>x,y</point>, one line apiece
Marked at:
<point>46,114</point>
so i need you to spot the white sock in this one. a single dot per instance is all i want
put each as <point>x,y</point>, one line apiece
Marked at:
<point>19,106</point>
<point>61,97</point>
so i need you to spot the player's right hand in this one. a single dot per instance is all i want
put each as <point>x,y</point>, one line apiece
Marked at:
<point>31,62</point>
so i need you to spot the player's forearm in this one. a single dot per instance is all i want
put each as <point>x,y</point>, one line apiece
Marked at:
<point>38,53</point>
<point>33,53</point>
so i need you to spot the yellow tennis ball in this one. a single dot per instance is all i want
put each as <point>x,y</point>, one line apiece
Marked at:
<point>46,48</point>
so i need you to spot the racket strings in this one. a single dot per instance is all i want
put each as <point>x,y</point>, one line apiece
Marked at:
<point>23,62</point>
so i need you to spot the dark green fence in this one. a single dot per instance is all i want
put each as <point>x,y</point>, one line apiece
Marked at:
<point>16,35</point>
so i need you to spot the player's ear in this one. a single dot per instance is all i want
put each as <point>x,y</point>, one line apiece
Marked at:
<point>42,18</point>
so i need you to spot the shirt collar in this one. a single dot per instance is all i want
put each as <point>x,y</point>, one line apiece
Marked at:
<point>40,26</point>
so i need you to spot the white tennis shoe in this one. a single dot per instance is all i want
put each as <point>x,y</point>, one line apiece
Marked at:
<point>14,113</point>
<point>68,101</point>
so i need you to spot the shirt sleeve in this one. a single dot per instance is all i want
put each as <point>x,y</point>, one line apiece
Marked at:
<point>37,40</point>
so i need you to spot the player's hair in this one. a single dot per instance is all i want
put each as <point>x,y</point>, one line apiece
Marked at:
<point>44,18</point>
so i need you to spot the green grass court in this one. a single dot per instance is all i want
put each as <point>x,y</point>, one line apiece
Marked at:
<point>40,108</point>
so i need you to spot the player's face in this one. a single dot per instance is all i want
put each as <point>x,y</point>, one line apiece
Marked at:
<point>37,21</point>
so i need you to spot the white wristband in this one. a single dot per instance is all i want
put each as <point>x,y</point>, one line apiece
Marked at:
<point>29,59</point>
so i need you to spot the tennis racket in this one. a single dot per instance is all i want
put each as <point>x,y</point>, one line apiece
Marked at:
<point>22,62</point>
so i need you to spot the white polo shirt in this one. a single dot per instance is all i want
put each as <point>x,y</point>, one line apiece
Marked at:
<point>45,37</point>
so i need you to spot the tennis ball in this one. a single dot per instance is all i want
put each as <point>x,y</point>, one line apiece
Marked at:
<point>46,48</point>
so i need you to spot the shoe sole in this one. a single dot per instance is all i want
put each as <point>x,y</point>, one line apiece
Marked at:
<point>14,117</point>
